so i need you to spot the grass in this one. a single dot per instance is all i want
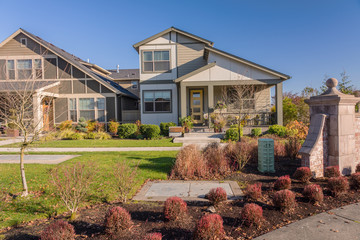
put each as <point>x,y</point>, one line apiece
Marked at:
<point>42,201</point>
<point>164,142</point>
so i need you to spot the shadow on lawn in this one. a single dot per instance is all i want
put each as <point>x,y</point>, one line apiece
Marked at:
<point>22,236</point>
<point>158,164</point>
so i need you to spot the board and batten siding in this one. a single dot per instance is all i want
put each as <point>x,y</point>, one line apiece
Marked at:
<point>61,109</point>
<point>189,55</point>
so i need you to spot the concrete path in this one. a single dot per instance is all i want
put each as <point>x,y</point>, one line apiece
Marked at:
<point>10,141</point>
<point>38,159</point>
<point>342,223</point>
<point>107,149</point>
<point>187,190</point>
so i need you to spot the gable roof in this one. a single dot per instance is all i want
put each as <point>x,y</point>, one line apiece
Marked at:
<point>149,39</point>
<point>124,74</point>
<point>199,70</point>
<point>74,60</point>
<point>244,61</point>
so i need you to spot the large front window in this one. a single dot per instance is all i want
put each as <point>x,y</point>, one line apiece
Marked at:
<point>88,108</point>
<point>157,101</point>
<point>156,61</point>
<point>24,68</point>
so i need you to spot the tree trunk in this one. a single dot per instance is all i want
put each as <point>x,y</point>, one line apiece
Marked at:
<point>22,171</point>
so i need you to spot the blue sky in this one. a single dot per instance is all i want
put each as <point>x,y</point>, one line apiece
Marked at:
<point>305,39</point>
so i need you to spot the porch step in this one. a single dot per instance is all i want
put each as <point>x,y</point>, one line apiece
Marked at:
<point>204,134</point>
<point>199,138</point>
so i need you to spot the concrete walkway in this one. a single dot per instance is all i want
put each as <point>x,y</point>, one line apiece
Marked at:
<point>10,141</point>
<point>342,223</point>
<point>38,159</point>
<point>187,190</point>
<point>97,149</point>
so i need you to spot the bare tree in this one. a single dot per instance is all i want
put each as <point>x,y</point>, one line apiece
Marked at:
<point>24,106</point>
<point>244,99</point>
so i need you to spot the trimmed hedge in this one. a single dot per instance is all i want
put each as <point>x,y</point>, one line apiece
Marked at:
<point>164,128</point>
<point>150,131</point>
<point>278,130</point>
<point>127,130</point>
<point>233,133</point>
<point>256,132</point>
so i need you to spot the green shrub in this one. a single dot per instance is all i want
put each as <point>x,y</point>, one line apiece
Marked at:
<point>234,126</point>
<point>256,132</point>
<point>127,130</point>
<point>77,136</point>
<point>233,134</point>
<point>90,135</point>
<point>164,128</point>
<point>65,134</point>
<point>113,127</point>
<point>102,136</point>
<point>150,131</point>
<point>81,126</point>
<point>278,130</point>
<point>65,125</point>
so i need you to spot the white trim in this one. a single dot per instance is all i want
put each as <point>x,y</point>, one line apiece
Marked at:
<point>77,99</point>
<point>21,44</point>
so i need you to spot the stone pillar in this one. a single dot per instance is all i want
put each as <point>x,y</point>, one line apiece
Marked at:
<point>183,100</point>
<point>340,111</point>
<point>279,103</point>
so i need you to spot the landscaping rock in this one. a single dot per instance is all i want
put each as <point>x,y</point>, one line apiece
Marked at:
<point>211,209</point>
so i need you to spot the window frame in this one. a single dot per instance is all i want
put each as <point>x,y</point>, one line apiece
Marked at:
<point>96,109</point>
<point>23,44</point>
<point>153,60</point>
<point>156,112</point>
<point>134,86</point>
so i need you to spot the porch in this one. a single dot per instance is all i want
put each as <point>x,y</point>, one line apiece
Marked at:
<point>199,99</point>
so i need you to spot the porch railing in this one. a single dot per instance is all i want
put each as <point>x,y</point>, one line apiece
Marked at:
<point>251,119</point>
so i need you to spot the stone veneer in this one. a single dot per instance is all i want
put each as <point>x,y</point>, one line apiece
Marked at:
<point>334,132</point>
<point>357,138</point>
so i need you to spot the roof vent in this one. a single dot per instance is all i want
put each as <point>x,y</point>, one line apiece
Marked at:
<point>118,68</point>
<point>88,60</point>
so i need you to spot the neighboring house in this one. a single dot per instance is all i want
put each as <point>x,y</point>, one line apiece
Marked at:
<point>81,89</point>
<point>128,79</point>
<point>182,74</point>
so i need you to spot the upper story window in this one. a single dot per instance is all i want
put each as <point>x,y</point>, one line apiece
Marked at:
<point>11,69</point>
<point>156,61</point>
<point>24,68</point>
<point>23,42</point>
<point>134,84</point>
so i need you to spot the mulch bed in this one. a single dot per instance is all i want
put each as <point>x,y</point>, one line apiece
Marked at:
<point>148,216</point>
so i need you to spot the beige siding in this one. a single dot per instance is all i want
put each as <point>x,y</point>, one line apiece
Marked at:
<point>262,103</point>
<point>189,57</point>
<point>14,48</point>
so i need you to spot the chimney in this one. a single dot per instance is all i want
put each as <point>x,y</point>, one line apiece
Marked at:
<point>88,60</point>
<point>118,68</point>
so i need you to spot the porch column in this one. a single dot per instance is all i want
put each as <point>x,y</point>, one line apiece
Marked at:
<point>183,100</point>
<point>279,103</point>
<point>37,111</point>
<point>211,98</point>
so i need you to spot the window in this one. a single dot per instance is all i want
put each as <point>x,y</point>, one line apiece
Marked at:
<point>157,101</point>
<point>72,109</point>
<point>11,69</point>
<point>24,68</point>
<point>38,68</point>
<point>87,108</point>
<point>156,61</point>
<point>101,109</point>
<point>134,84</point>
<point>23,42</point>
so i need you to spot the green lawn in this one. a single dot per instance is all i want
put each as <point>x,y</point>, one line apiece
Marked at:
<point>164,142</point>
<point>42,202</point>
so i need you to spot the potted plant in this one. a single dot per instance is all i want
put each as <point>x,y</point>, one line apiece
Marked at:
<point>220,105</point>
<point>12,130</point>
<point>186,123</point>
<point>219,123</point>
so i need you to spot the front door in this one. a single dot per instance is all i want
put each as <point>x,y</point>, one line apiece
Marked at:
<point>47,114</point>
<point>196,105</point>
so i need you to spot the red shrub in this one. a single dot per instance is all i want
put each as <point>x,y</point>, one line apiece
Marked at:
<point>240,153</point>
<point>314,193</point>
<point>209,227</point>
<point>357,168</point>
<point>252,214</point>
<point>338,185</point>
<point>284,199</point>
<point>216,160</point>
<point>174,208</point>
<point>117,220</point>
<point>253,191</point>
<point>59,230</point>
<point>189,164</point>
<point>355,180</point>
<point>217,195</point>
<point>153,236</point>
<point>279,148</point>
<point>303,174</point>
<point>283,182</point>
<point>332,171</point>
<point>292,147</point>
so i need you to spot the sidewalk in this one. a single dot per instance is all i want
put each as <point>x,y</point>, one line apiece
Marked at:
<point>10,141</point>
<point>107,149</point>
<point>342,223</point>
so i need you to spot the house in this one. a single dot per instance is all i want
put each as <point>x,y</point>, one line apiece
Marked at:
<point>80,89</point>
<point>182,74</point>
